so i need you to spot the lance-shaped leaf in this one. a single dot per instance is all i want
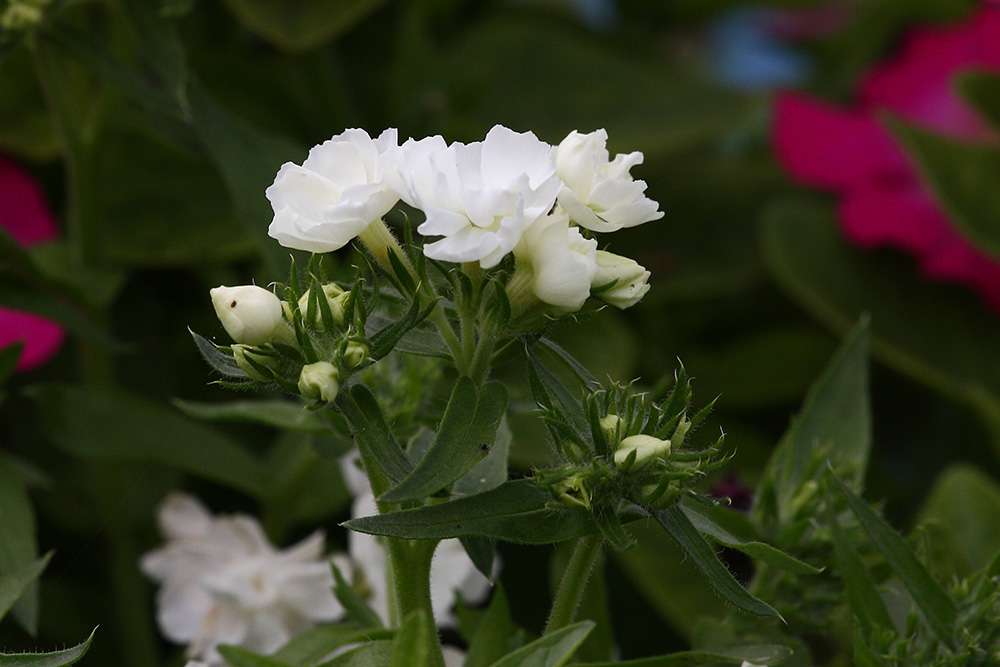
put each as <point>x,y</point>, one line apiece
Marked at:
<point>54,659</point>
<point>372,432</point>
<point>734,530</point>
<point>517,511</point>
<point>286,415</point>
<point>938,608</point>
<point>18,548</point>
<point>311,646</point>
<point>676,523</point>
<point>862,596</point>
<point>465,435</point>
<point>357,609</point>
<point>13,584</point>
<point>370,654</point>
<point>552,650</point>
<point>384,340</point>
<point>550,392</point>
<point>493,634</point>
<point>217,359</point>
<point>762,654</point>
<point>411,646</point>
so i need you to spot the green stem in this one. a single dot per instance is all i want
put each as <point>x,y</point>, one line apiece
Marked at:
<point>574,582</point>
<point>411,570</point>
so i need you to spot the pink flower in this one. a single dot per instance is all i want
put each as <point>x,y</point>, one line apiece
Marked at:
<point>24,215</point>
<point>883,202</point>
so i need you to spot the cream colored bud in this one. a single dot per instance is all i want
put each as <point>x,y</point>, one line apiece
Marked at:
<point>646,448</point>
<point>613,428</point>
<point>240,355</point>
<point>335,297</point>
<point>629,277</point>
<point>250,314</point>
<point>319,381</point>
<point>355,354</point>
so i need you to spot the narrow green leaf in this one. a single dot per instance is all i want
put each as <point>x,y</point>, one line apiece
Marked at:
<point>384,340</point>
<point>578,369</point>
<point>516,511</point>
<point>493,635</point>
<point>55,659</point>
<point>13,584</point>
<point>465,435</point>
<point>735,530</point>
<point>280,414</point>
<point>18,549</point>
<point>677,524</point>
<point>352,603</point>
<point>368,424</point>
<point>550,391</point>
<point>217,359</point>
<point>482,552</point>
<point>864,656</point>
<point>963,177</point>
<point>410,646</point>
<point>760,654</point>
<point>862,596</point>
<point>111,425</point>
<point>490,472</point>
<point>240,657</point>
<point>552,650</point>
<point>938,608</point>
<point>309,647</point>
<point>375,653</point>
<point>982,89</point>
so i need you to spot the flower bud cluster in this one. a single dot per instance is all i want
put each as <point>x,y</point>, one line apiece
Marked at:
<point>307,344</point>
<point>510,194</point>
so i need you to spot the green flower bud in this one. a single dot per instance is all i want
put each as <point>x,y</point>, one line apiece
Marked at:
<point>355,354</point>
<point>251,315</point>
<point>572,492</point>
<point>646,448</point>
<point>240,355</point>
<point>613,428</point>
<point>335,297</point>
<point>319,381</point>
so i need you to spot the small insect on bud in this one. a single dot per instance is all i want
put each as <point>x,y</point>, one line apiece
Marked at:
<point>251,315</point>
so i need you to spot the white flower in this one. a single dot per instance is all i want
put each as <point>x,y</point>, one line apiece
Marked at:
<point>599,193</point>
<point>646,448</point>
<point>339,190</point>
<point>630,278</point>
<point>223,582</point>
<point>451,570</point>
<point>251,315</point>
<point>480,196</point>
<point>319,381</point>
<point>562,262</point>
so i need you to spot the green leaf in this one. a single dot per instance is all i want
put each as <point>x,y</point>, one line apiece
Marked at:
<point>735,530</point>
<point>384,340</point>
<point>552,650</point>
<point>111,425</point>
<point>356,608</point>
<point>13,584</point>
<point>677,524</point>
<point>241,657</point>
<point>759,654</point>
<point>982,89</point>
<point>835,420</point>
<point>280,414</point>
<point>962,515</point>
<point>221,361</point>
<point>938,608</point>
<point>55,659</point>
<point>309,647</point>
<point>862,596</point>
<point>963,177</point>
<point>18,549</point>
<point>517,511</point>
<point>494,633</point>
<point>368,425</point>
<point>864,656</point>
<point>491,471</point>
<point>303,25</point>
<point>410,647</point>
<point>913,321</point>
<point>375,653</point>
<point>465,435</point>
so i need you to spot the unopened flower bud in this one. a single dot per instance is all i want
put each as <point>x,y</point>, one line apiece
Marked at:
<point>319,381</point>
<point>335,298</point>
<point>646,448</point>
<point>355,354</point>
<point>629,278</point>
<point>250,314</point>
<point>613,427</point>
<point>241,353</point>
<point>573,492</point>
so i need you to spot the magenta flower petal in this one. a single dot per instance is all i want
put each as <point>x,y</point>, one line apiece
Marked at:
<point>25,216</point>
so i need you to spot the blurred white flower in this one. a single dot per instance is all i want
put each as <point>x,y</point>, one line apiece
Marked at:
<point>223,582</point>
<point>337,192</point>
<point>452,571</point>
<point>480,196</point>
<point>630,279</point>
<point>599,193</point>
<point>562,263</point>
<point>251,315</point>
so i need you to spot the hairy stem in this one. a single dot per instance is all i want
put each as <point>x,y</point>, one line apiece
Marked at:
<point>574,582</point>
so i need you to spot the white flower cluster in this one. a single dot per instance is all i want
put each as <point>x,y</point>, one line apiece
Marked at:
<point>510,193</point>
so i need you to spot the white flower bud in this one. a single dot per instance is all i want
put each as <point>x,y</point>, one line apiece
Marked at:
<point>250,314</point>
<point>646,448</point>
<point>355,354</point>
<point>613,427</point>
<point>335,297</point>
<point>629,277</point>
<point>319,381</point>
<point>242,352</point>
